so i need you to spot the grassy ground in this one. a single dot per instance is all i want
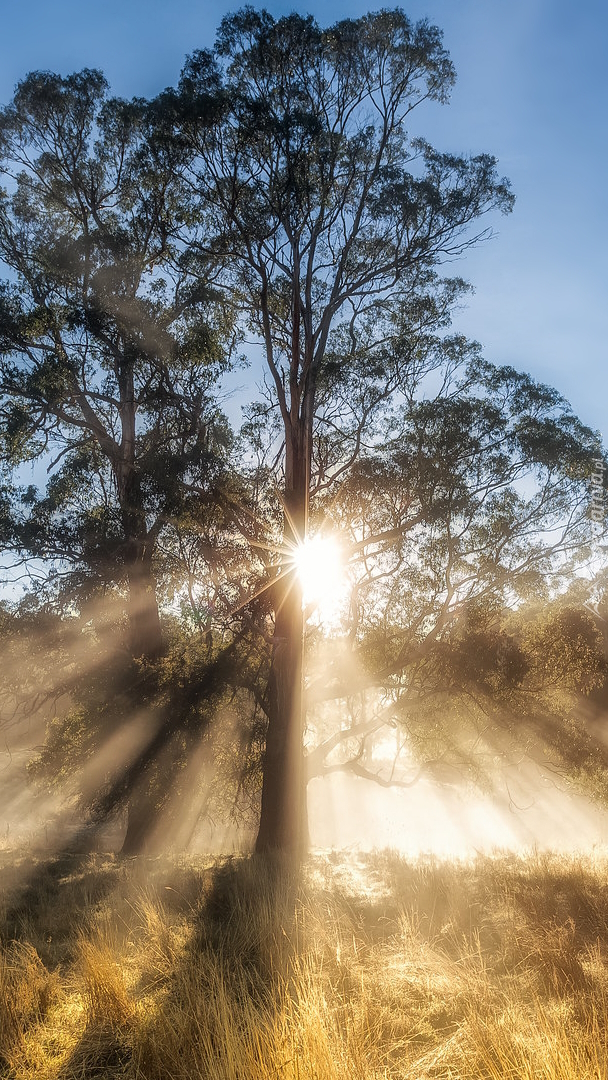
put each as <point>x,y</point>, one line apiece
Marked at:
<point>373,968</point>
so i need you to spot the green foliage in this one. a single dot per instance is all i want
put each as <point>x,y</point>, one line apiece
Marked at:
<point>109,356</point>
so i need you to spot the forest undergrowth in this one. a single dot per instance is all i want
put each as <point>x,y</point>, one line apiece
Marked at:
<point>369,967</point>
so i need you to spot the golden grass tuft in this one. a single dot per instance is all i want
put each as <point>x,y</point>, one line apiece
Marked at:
<point>103,986</point>
<point>27,990</point>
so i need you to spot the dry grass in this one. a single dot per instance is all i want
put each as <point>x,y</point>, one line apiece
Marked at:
<point>373,969</point>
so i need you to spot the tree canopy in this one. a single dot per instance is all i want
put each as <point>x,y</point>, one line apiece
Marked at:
<point>109,359</point>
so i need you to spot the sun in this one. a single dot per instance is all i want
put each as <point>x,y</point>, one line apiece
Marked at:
<point>319,566</point>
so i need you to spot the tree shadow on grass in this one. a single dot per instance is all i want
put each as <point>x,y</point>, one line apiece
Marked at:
<point>215,957</point>
<point>227,986</point>
<point>51,900</point>
<point>250,915</point>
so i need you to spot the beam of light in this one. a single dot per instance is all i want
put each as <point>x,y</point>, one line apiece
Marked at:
<point>522,808</point>
<point>347,812</point>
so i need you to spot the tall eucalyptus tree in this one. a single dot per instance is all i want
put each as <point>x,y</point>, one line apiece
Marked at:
<point>109,356</point>
<point>328,218</point>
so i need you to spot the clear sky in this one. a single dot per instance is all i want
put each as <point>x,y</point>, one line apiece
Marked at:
<point>532,89</point>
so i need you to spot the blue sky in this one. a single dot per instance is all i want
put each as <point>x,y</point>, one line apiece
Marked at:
<point>532,89</point>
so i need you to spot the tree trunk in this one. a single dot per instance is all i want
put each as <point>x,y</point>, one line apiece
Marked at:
<point>283,819</point>
<point>144,622</point>
<point>142,817</point>
<point>145,642</point>
<point>145,635</point>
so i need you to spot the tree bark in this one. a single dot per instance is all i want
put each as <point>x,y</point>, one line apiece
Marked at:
<point>283,821</point>
<point>283,817</point>
<point>145,635</point>
<point>145,643</point>
<point>142,818</point>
